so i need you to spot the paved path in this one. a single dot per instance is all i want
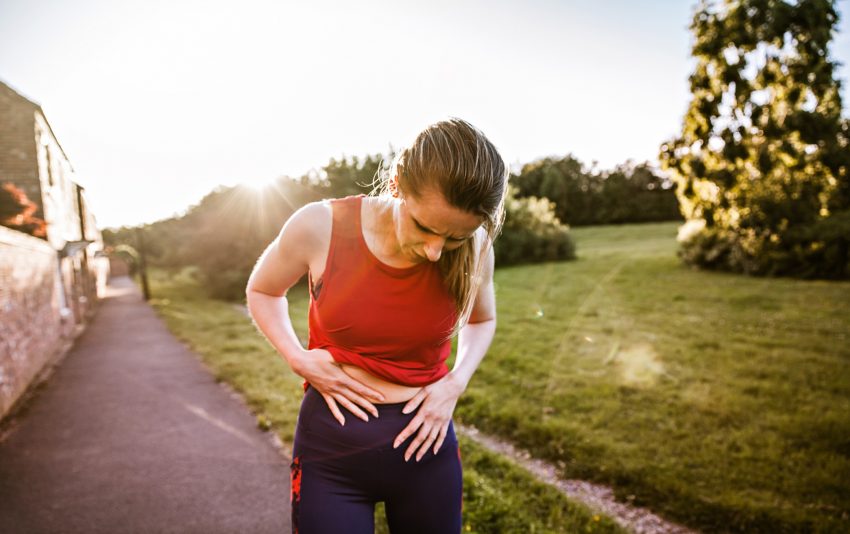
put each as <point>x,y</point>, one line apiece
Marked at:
<point>132,434</point>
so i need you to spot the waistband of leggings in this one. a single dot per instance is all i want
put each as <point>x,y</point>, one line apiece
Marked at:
<point>390,408</point>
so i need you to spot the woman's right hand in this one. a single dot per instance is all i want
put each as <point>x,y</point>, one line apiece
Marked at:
<point>318,367</point>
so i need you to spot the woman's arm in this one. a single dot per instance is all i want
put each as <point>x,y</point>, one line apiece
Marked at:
<point>279,267</point>
<point>304,237</point>
<point>440,398</point>
<point>475,337</point>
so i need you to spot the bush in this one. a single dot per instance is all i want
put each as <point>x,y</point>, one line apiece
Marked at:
<point>817,250</point>
<point>532,232</point>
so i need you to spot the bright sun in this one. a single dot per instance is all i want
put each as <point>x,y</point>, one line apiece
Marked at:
<point>259,185</point>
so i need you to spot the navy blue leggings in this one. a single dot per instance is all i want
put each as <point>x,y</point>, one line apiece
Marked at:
<point>338,473</point>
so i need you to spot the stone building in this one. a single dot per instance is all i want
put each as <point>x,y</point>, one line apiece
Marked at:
<point>50,285</point>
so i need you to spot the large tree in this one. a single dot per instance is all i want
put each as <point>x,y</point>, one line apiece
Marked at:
<point>762,162</point>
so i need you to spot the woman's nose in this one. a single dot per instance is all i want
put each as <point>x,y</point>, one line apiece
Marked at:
<point>434,248</point>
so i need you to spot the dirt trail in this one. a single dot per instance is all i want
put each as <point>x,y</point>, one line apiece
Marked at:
<point>595,496</point>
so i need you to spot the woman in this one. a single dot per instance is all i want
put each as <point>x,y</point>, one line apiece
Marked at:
<point>392,278</point>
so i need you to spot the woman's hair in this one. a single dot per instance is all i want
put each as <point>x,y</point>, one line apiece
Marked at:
<point>456,159</point>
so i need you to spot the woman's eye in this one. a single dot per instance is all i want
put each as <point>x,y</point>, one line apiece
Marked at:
<point>452,240</point>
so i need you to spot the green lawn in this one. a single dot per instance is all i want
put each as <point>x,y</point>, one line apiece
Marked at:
<point>718,400</point>
<point>498,496</point>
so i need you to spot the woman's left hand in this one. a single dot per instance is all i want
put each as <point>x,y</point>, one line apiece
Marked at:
<point>438,402</point>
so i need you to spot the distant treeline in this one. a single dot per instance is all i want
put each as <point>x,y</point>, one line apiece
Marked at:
<point>225,233</point>
<point>628,194</point>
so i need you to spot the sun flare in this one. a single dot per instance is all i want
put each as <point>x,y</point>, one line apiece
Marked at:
<point>259,185</point>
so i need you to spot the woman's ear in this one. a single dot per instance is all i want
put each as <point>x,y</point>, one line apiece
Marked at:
<point>394,186</point>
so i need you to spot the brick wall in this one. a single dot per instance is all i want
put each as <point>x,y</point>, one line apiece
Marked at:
<point>34,319</point>
<point>18,155</point>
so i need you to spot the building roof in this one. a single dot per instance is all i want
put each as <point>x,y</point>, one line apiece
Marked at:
<point>6,88</point>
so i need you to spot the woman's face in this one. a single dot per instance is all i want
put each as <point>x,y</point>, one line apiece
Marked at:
<point>427,225</point>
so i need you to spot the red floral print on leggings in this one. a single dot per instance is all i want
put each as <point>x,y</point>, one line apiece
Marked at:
<point>295,490</point>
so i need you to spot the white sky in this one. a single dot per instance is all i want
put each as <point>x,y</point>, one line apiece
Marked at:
<point>157,102</point>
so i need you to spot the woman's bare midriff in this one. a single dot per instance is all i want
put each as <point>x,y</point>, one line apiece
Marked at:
<point>392,392</point>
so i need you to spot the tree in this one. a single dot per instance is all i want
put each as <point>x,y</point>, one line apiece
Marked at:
<point>629,193</point>
<point>564,182</point>
<point>348,176</point>
<point>222,235</point>
<point>762,162</point>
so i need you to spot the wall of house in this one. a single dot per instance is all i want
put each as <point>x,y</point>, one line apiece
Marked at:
<point>35,320</point>
<point>91,270</point>
<point>18,159</point>
<point>58,191</point>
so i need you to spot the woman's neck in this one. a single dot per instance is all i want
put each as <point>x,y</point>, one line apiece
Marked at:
<point>379,220</point>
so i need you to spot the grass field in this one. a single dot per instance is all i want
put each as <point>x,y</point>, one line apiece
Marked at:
<point>498,497</point>
<point>718,400</point>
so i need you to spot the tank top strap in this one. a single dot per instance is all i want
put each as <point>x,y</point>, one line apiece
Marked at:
<point>346,235</point>
<point>346,217</point>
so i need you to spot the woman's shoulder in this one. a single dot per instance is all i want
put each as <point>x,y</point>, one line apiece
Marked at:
<point>310,226</point>
<point>312,215</point>
<point>315,220</point>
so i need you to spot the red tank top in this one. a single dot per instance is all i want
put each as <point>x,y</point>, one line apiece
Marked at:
<point>393,322</point>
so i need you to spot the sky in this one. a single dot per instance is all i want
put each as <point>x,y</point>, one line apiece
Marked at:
<point>158,102</point>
